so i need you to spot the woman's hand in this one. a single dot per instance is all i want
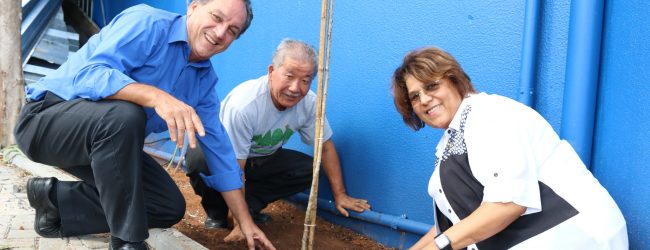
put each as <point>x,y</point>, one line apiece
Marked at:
<point>427,241</point>
<point>487,220</point>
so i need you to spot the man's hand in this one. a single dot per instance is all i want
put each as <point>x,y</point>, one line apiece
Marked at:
<point>332,167</point>
<point>254,236</point>
<point>243,222</point>
<point>343,202</point>
<point>235,235</point>
<point>180,118</point>
<point>251,233</point>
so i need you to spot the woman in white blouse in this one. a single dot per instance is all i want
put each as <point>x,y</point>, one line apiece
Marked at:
<point>503,179</point>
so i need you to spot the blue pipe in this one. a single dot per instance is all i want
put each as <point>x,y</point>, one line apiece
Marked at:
<point>581,83</point>
<point>526,94</point>
<point>391,221</point>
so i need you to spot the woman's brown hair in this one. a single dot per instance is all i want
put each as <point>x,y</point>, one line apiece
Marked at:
<point>426,65</point>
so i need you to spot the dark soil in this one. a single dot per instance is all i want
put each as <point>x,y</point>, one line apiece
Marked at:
<point>284,231</point>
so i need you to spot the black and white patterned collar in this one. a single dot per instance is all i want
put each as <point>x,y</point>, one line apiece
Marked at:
<point>454,125</point>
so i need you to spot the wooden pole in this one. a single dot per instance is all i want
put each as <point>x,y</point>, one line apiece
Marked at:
<point>321,96</point>
<point>11,73</point>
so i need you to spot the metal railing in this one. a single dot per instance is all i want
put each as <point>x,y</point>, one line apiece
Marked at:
<point>36,15</point>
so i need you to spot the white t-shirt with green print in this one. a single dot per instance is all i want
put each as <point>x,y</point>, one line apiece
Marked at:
<point>257,128</point>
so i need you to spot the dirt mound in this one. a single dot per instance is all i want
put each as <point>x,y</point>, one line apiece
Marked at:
<point>285,230</point>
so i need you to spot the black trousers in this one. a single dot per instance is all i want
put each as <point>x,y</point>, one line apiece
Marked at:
<point>269,178</point>
<point>123,190</point>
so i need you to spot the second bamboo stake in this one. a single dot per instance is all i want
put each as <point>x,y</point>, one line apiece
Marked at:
<point>321,96</point>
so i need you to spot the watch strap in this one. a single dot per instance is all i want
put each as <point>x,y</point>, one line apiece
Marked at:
<point>443,242</point>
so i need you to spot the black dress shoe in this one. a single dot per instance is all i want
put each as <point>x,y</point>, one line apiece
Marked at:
<point>48,221</point>
<point>134,246</point>
<point>210,223</point>
<point>260,218</point>
<point>118,244</point>
<point>115,243</point>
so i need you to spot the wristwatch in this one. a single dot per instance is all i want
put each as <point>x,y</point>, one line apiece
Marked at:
<point>443,242</point>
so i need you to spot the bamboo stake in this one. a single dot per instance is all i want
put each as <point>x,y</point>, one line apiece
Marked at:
<point>321,97</point>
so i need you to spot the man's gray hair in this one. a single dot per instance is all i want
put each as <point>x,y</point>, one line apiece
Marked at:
<point>294,49</point>
<point>249,14</point>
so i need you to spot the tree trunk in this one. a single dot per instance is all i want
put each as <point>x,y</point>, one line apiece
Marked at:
<point>11,72</point>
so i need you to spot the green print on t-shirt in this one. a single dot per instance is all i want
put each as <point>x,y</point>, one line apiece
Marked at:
<point>271,139</point>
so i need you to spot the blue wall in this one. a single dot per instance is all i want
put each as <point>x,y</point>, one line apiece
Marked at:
<point>622,136</point>
<point>390,165</point>
<point>112,8</point>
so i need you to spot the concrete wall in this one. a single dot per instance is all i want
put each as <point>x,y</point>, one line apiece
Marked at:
<point>389,164</point>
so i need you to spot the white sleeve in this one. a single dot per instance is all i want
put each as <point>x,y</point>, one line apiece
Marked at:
<point>307,133</point>
<point>240,131</point>
<point>498,136</point>
<point>308,129</point>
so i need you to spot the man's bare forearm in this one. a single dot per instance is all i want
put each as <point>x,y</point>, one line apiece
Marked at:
<point>237,204</point>
<point>332,166</point>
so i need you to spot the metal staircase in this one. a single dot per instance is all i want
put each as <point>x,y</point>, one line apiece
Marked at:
<point>47,40</point>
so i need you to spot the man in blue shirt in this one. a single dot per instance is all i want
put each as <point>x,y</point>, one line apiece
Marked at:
<point>147,71</point>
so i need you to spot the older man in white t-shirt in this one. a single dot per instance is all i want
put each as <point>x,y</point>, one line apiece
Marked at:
<point>260,115</point>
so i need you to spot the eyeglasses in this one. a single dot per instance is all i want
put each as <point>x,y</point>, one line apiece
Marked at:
<point>429,88</point>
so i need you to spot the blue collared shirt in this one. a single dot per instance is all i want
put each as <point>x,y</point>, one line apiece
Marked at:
<point>147,45</point>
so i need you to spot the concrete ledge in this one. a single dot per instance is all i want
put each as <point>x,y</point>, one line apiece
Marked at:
<point>158,238</point>
<point>170,238</point>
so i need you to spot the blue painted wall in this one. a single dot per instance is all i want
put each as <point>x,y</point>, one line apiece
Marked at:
<point>389,164</point>
<point>621,159</point>
<point>112,8</point>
